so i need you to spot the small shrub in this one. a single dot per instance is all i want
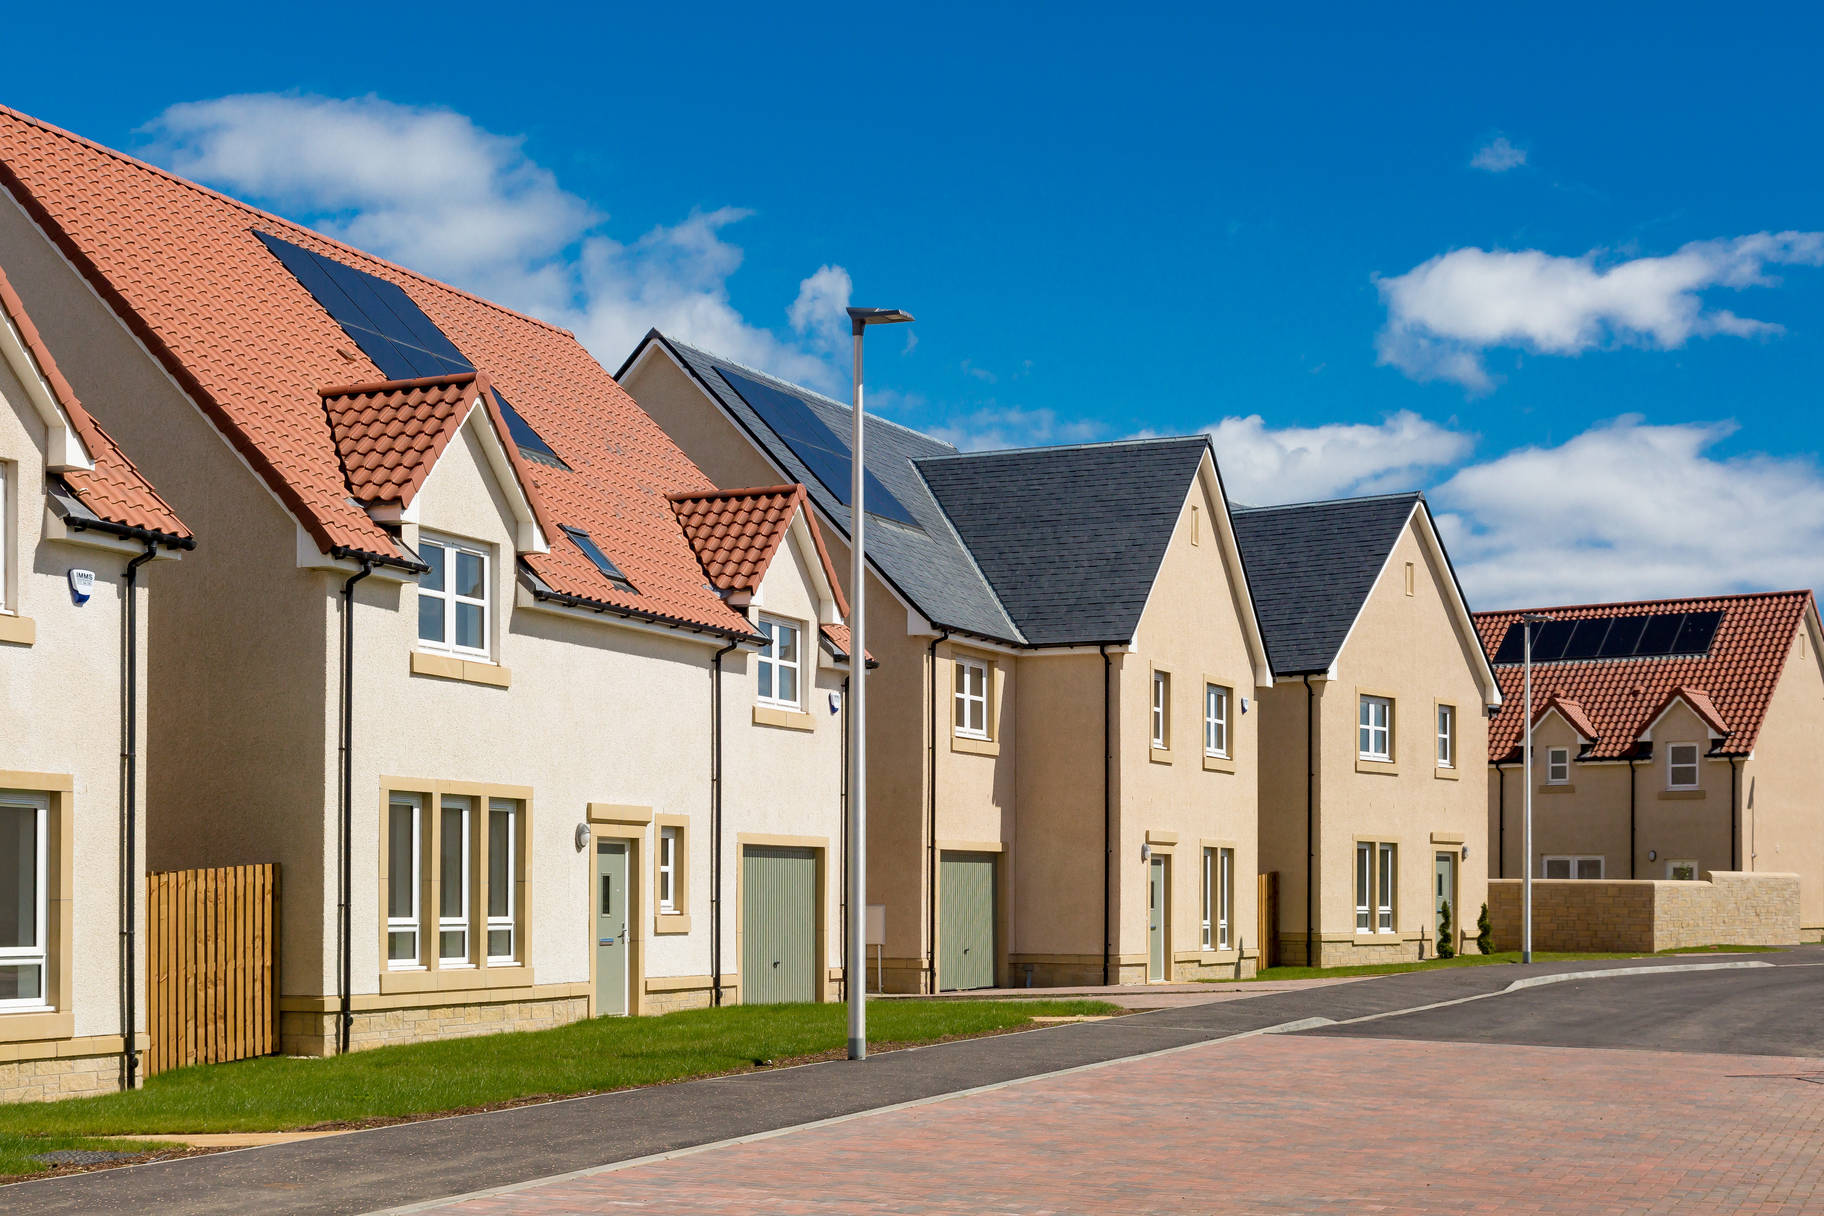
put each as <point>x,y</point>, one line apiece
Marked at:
<point>1485,932</point>
<point>1446,934</point>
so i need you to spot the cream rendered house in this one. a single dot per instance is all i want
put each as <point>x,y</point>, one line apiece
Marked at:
<point>1371,810</point>
<point>78,523</point>
<point>451,657</point>
<point>1671,738</point>
<point>1025,609</point>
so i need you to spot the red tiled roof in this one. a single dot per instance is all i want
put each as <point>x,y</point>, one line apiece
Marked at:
<point>389,433</point>
<point>838,636</point>
<point>1729,687</point>
<point>1700,704</point>
<point>182,266</point>
<point>736,533</point>
<point>1571,711</point>
<point>114,489</point>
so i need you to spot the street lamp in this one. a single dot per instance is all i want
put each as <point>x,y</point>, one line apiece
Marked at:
<point>1527,621</point>
<point>859,320</point>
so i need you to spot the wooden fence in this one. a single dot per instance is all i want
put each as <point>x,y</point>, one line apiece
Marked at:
<point>211,965</point>
<point>1268,930</point>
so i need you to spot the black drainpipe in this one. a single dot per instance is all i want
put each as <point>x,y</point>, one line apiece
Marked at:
<point>931,843</point>
<point>1108,816</point>
<point>1633,848</point>
<point>1310,825</point>
<point>346,1018</point>
<point>849,965</point>
<point>1735,815</point>
<point>1500,821</point>
<point>129,791</point>
<point>715,825</point>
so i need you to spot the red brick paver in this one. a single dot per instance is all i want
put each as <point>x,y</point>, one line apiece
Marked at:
<point>1280,1125</point>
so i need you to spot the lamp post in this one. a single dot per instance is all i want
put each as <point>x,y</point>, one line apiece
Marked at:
<point>859,320</point>
<point>1526,875</point>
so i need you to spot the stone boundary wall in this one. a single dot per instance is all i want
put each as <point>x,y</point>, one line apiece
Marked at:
<point>313,1033</point>
<point>1642,916</point>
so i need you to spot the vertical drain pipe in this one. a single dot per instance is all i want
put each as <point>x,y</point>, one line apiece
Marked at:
<point>848,964</point>
<point>1108,815</point>
<point>345,1018</point>
<point>931,842</point>
<point>1310,824</point>
<point>129,790</point>
<point>715,826</point>
<point>1500,821</point>
<point>1735,815</point>
<point>1633,849</point>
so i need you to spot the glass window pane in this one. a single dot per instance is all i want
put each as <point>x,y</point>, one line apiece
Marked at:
<point>500,943</point>
<point>500,862</point>
<point>22,982</point>
<point>1557,867</point>
<point>788,684</point>
<point>433,555</point>
<point>788,644</point>
<point>430,618</point>
<point>401,883</point>
<point>468,625</point>
<point>1589,867</point>
<point>19,876</point>
<point>453,944</point>
<point>452,876</point>
<point>468,575</point>
<point>401,946</point>
<point>766,680</point>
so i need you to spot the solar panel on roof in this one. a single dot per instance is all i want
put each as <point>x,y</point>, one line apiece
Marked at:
<point>1624,636</point>
<point>1550,639</point>
<point>1513,645</point>
<point>392,330</point>
<point>1695,635</point>
<point>1661,632</point>
<point>817,446</point>
<point>1638,636</point>
<point>582,540</point>
<point>1586,640</point>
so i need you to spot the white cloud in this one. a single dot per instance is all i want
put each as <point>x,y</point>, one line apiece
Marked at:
<point>1013,426</point>
<point>430,189</point>
<point>1444,313</point>
<point>1498,155</point>
<point>1262,465</point>
<point>1628,510</point>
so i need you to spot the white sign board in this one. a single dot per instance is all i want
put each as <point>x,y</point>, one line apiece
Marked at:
<point>877,924</point>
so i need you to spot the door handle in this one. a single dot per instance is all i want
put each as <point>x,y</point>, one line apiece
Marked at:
<point>775,962</point>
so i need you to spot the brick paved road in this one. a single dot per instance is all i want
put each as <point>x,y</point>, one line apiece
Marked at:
<point>1281,1125</point>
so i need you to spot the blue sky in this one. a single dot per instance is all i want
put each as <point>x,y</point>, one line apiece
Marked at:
<point>1567,275</point>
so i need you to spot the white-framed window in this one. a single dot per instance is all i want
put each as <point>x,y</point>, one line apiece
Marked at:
<point>503,875</point>
<point>1376,728</point>
<point>1225,896</point>
<point>1682,870</point>
<point>1681,766</point>
<point>669,856</point>
<point>1364,886</point>
<point>1209,898</point>
<point>777,663</point>
<point>1162,710</point>
<point>453,597</point>
<point>24,871</point>
<point>6,534</point>
<point>1447,736</point>
<point>453,880</point>
<point>1215,720</point>
<point>404,827</point>
<point>1571,866</point>
<point>971,699</point>
<point>1557,766</point>
<point>1384,889</point>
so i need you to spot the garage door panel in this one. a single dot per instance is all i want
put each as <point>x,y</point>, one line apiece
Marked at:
<point>778,925</point>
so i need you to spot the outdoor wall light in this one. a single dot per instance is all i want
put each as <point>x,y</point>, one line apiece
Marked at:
<point>1465,852</point>
<point>1146,852</point>
<point>582,837</point>
<point>1652,854</point>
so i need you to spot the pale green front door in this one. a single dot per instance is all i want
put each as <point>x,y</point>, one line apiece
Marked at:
<point>1155,920</point>
<point>965,909</point>
<point>778,925</point>
<point>610,895</point>
<point>1444,890</point>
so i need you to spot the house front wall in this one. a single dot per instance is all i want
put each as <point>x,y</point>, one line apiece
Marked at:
<point>60,745</point>
<point>1782,791</point>
<point>1175,802</point>
<point>1408,648</point>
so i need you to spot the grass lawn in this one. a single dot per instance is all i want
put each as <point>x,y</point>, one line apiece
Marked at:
<point>1467,960</point>
<point>280,1094</point>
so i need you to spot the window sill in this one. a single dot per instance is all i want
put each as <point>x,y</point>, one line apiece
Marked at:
<point>456,979</point>
<point>467,671</point>
<point>1447,772</point>
<point>1387,768</point>
<point>1562,788</point>
<point>971,746</point>
<point>670,922</point>
<point>1160,755</point>
<point>17,630</point>
<point>27,1024</point>
<point>1680,794</point>
<point>1219,764</point>
<point>786,719</point>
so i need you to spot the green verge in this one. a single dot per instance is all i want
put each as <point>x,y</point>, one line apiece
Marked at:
<point>1468,960</point>
<point>419,1079</point>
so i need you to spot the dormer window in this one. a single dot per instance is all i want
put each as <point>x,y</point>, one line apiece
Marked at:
<point>453,597</point>
<point>1557,766</point>
<point>971,699</point>
<point>1681,766</point>
<point>777,664</point>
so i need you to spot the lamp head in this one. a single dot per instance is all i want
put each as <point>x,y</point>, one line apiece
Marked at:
<point>860,318</point>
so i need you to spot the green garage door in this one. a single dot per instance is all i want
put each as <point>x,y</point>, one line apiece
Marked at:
<point>778,925</point>
<point>965,946</point>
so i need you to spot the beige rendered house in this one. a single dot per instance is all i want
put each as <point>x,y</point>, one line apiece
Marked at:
<point>535,724</point>
<point>1063,766</point>
<point>1371,810</point>
<point>1671,738</point>
<point>77,525</point>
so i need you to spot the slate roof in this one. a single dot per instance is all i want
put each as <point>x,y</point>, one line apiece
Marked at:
<point>927,564</point>
<point>736,533</point>
<point>183,267</point>
<point>1731,686</point>
<point>1070,538</point>
<point>114,491</point>
<point>1311,566</point>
